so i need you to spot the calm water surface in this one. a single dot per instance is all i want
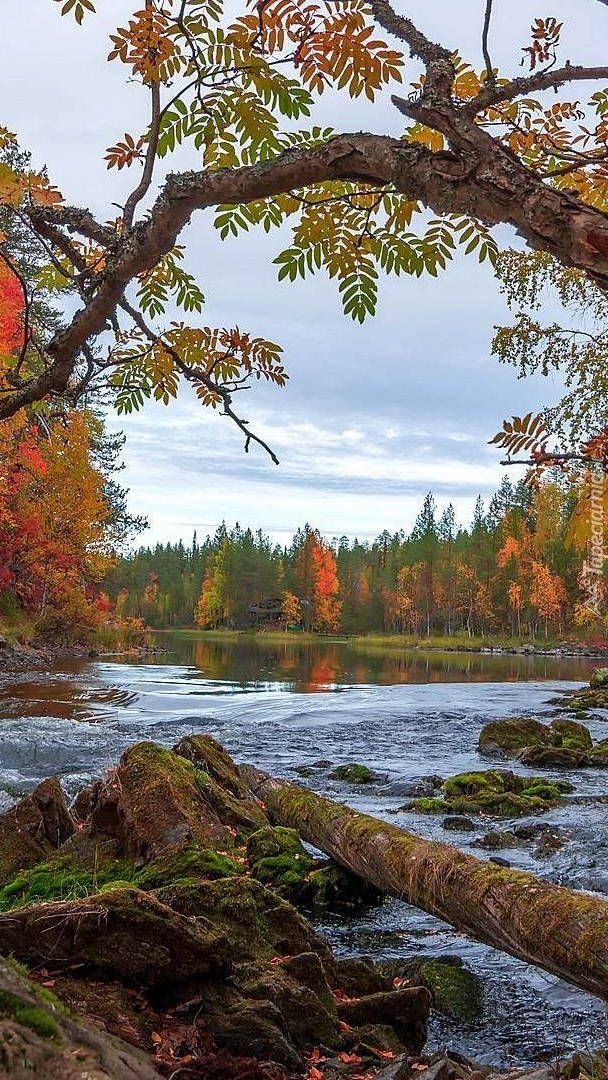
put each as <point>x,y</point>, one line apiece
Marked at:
<point>406,714</point>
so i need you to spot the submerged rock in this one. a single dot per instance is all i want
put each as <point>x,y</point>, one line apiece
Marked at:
<point>354,773</point>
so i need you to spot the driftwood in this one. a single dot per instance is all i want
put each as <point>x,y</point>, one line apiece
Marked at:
<point>562,931</point>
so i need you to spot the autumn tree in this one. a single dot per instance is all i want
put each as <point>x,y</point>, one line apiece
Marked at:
<point>479,148</point>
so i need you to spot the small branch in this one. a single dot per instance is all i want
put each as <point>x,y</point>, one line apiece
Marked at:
<point>146,178</point>
<point>404,29</point>
<point>490,79</point>
<point>193,375</point>
<point>543,80</point>
<point>75,220</point>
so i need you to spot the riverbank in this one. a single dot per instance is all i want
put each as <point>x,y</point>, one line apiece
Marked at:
<point>434,643</point>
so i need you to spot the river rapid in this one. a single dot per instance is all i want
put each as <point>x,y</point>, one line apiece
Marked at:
<point>406,715</point>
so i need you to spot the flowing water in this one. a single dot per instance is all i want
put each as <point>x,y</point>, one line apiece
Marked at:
<point>406,714</point>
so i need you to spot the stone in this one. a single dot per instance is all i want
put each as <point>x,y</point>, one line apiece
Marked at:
<point>458,823</point>
<point>358,976</point>
<point>503,738</point>
<point>571,735</point>
<point>553,757</point>
<point>406,1010</point>
<point>399,1069</point>
<point>125,932</point>
<point>255,1028</point>
<point>33,829</point>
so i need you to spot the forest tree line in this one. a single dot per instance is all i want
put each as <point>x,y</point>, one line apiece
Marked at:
<point>517,569</point>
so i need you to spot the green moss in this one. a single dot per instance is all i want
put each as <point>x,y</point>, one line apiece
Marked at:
<point>454,989</point>
<point>29,1016</point>
<point>278,858</point>
<point>428,806</point>
<point>61,879</point>
<point>506,737</point>
<point>354,774</point>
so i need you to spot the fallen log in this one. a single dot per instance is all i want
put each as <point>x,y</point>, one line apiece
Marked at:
<point>562,931</point>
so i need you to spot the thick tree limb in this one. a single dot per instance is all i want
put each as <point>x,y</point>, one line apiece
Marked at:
<point>562,931</point>
<point>480,177</point>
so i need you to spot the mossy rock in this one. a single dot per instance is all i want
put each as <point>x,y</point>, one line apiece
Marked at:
<point>455,990</point>
<point>32,829</point>
<point>354,773</point>
<point>258,922</point>
<point>497,792</point>
<point>594,698</point>
<point>475,783</point>
<point>571,735</point>
<point>278,859</point>
<point>599,678</point>
<point>299,990</point>
<point>497,841</point>
<point>124,932</point>
<point>155,800</point>
<point>598,755</point>
<point>504,738</point>
<point>552,757</point>
<point>233,800</point>
<point>335,887</point>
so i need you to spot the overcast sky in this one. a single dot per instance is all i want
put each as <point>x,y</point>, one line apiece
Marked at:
<point>373,417</point>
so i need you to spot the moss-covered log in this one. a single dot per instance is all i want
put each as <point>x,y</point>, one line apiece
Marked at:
<point>562,931</point>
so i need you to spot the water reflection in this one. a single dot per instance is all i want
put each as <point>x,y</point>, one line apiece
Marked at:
<point>307,667</point>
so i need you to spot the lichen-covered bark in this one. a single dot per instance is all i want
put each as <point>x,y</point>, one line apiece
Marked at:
<point>562,931</point>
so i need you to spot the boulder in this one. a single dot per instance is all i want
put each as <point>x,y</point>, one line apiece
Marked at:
<point>358,976</point>
<point>504,738</point>
<point>354,773</point>
<point>571,735</point>
<point>124,932</point>
<point>599,678</point>
<point>552,757</point>
<point>405,1010</point>
<point>155,800</point>
<point>34,828</point>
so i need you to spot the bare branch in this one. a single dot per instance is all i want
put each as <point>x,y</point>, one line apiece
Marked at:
<point>199,375</point>
<point>146,178</point>
<point>530,84</point>
<point>485,47</point>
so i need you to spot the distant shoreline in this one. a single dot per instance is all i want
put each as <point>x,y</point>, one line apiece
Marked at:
<point>505,647</point>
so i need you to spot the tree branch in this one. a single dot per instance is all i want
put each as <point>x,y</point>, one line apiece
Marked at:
<point>530,84</point>
<point>146,178</point>
<point>485,48</point>
<point>480,178</point>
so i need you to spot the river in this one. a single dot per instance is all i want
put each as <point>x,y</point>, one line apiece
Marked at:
<point>405,714</point>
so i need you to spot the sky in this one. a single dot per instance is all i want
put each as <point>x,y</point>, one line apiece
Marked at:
<point>373,417</point>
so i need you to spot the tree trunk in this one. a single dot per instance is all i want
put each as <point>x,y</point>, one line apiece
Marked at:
<point>562,931</point>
